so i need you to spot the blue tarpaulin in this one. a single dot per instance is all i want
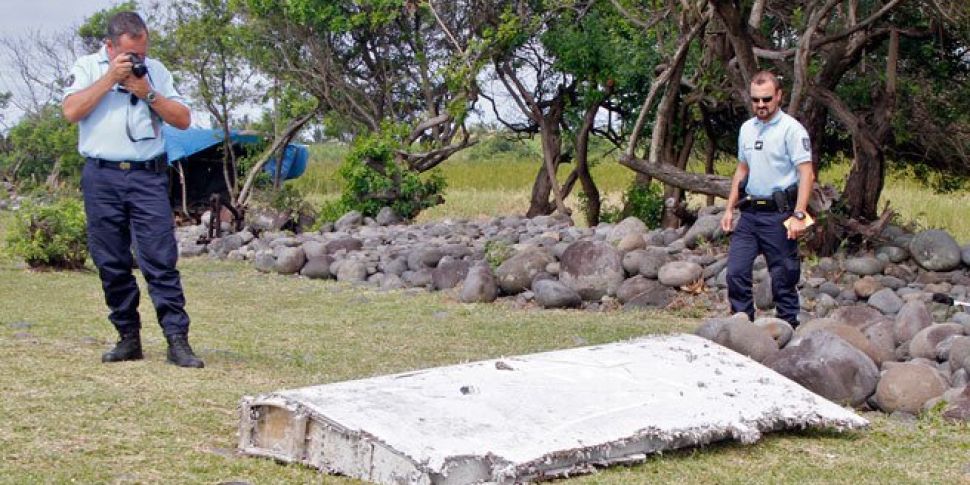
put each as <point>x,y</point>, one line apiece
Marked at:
<point>182,144</point>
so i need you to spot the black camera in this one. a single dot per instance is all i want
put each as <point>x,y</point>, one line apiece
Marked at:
<point>138,67</point>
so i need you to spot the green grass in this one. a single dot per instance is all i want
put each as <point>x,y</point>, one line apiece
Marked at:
<point>67,418</point>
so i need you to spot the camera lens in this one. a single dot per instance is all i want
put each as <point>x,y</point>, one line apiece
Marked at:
<point>138,67</point>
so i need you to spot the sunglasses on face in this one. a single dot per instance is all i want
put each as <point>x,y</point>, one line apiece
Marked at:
<point>765,100</point>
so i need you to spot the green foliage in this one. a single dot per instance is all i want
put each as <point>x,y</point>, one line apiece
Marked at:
<point>50,236</point>
<point>94,29</point>
<point>374,178</point>
<point>645,202</point>
<point>38,142</point>
<point>499,145</point>
<point>330,211</point>
<point>497,251</point>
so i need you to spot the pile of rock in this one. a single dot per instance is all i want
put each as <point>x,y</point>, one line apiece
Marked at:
<point>873,311</point>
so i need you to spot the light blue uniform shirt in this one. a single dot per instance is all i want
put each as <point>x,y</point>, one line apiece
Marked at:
<point>107,131</point>
<point>772,150</point>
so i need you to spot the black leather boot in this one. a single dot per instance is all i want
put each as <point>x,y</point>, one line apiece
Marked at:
<point>127,348</point>
<point>180,353</point>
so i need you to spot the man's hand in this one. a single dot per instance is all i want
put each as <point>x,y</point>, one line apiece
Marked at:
<point>120,68</point>
<point>138,86</point>
<point>727,220</point>
<point>795,227</point>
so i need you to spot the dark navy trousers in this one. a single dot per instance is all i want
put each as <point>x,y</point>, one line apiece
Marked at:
<point>121,205</point>
<point>764,233</point>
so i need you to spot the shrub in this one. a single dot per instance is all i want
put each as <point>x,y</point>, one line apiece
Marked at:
<point>50,236</point>
<point>497,251</point>
<point>375,179</point>
<point>645,202</point>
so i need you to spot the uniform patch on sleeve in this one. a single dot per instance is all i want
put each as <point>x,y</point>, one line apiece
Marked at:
<point>806,144</point>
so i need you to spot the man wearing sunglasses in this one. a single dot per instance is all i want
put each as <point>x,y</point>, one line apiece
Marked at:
<point>775,172</point>
<point>119,98</point>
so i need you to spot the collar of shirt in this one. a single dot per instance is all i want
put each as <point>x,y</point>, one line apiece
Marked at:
<point>773,121</point>
<point>103,55</point>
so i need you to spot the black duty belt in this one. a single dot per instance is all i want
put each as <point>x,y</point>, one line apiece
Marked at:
<point>752,204</point>
<point>157,164</point>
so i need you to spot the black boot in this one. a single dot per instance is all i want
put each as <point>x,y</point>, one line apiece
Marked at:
<point>128,348</point>
<point>180,353</point>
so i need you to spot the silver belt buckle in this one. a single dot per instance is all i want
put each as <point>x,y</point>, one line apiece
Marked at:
<point>124,166</point>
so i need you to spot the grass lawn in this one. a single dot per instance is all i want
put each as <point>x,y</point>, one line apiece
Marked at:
<point>67,418</point>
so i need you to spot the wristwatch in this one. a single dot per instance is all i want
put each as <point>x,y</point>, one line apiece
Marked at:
<point>151,97</point>
<point>798,215</point>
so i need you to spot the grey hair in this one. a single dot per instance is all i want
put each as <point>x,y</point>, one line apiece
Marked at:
<point>123,23</point>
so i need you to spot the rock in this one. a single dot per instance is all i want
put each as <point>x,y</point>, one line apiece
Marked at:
<point>866,286</point>
<point>652,261</point>
<point>632,260</point>
<point>900,271</point>
<point>480,285</point>
<point>892,254</point>
<point>705,228</point>
<point>851,335</point>
<point>965,255</point>
<point>912,318</point>
<point>516,273</point>
<point>959,356</point>
<point>657,297</point>
<point>631,242</point>
<point>829,366</point>
<point>886,301</point>
<point>395,264</point>
<point>417,279</point>
<point>449,273</point>
<point>391,281</point>
<point>859,316</point>
<point>924,344</point>
<point>905,387</point>
<point>864,266</point>
<point>630,225</point>
<point>318,268</point>
<point>592,268</point>
<point>346,244</point>
<point>780,330</point>
<point>882,340</point>
<point>349,221</point>
<point>554,294</point>
<point>386,217</point>
<point>935,250</point>
<point>748,339</point>
<point>289,260</point>
<point>352,271</point>
<point>632,287</point>
<point>958,405</point>
<point>424,258</point>
<point>711,327</point>
<point>679,273</point>
<point>265,261</point>
<point>762,295</point>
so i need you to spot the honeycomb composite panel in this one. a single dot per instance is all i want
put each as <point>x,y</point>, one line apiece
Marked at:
<point>532,417</point>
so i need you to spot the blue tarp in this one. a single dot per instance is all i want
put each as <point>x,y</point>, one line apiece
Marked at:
<point>182,144</point>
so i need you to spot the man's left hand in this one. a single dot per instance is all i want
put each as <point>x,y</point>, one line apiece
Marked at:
<point>138,86</point>
<point>796,227</point>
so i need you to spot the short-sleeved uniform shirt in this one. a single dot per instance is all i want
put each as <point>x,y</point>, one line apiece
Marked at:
<point>116,129</point>
<point>772,150</point>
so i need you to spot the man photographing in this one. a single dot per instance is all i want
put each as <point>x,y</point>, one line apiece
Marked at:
<point>119,98</point>
<point>774,158</point>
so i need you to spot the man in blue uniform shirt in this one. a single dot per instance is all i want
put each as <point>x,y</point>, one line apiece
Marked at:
<point>774,157</point>
<point>120,98</point>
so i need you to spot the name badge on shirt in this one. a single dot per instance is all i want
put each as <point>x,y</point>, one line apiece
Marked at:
<point>758,145</point>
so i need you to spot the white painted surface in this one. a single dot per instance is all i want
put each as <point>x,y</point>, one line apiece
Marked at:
<point>523,417</point>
